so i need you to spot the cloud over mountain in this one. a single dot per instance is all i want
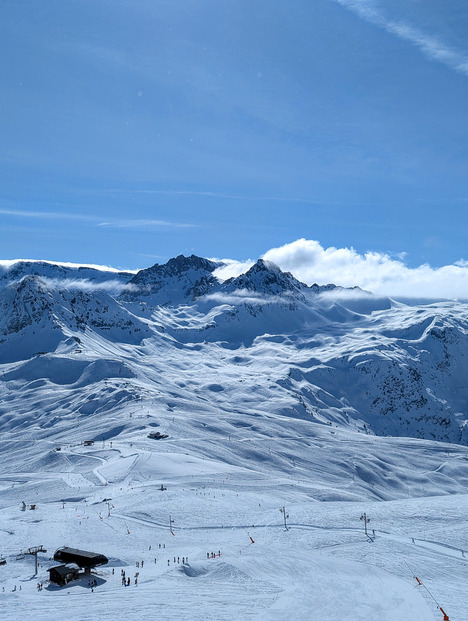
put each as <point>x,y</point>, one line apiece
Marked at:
<point>378,272</point>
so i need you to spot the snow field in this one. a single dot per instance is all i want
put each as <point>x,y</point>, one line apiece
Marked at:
<point>268,401</point>
<point>323,566</point>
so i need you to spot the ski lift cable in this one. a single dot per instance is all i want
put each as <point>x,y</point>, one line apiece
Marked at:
<point>420,582</point>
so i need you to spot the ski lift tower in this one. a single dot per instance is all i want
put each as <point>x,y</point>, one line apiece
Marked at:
<point>35,551</point>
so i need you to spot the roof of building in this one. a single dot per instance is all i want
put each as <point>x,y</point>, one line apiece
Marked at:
<point>82,558</point>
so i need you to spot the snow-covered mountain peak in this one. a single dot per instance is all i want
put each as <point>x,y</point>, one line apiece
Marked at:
<point>265,265</point>
<point>178,281</point>
<point>399,368</point>
<point>174,267</point>
<point>181,264</point>
<point>62,275</point>
<point>266,278</point>
<point>25,297</point>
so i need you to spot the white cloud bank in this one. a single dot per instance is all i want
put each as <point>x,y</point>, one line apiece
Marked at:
<point>378,272</point>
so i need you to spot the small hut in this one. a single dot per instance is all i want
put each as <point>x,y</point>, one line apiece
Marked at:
<point>62,574</point>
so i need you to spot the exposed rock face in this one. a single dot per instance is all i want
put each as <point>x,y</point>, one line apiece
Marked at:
<point>335,356</point>
<point>23,304</point>
<point>266,278</point>
<point>180,280</point>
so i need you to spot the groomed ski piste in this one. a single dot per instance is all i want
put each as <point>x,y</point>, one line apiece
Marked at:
<point>108,498</point>
<point>252,505</point>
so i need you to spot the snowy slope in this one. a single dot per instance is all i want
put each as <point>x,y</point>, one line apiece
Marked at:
<point>272,394</point>
<point>15,270</point>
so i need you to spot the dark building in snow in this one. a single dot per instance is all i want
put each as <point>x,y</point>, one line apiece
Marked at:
<point>62,574</point>
<point>82,558</point>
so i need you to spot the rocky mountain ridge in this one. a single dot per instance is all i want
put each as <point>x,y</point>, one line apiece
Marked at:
<point>262,342</point>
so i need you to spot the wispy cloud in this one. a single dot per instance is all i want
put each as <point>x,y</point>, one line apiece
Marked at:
<point>146,255</point>
<point>83,284</point>
<point>432,46</point>
<point>145,223</point>
<point>378,272</point>
<point>46,215</point>
<point>241,197</point>
<point>132,223</point>
<point>244,296</point>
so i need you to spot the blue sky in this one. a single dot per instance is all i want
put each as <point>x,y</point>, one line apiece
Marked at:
<point>134,131</point>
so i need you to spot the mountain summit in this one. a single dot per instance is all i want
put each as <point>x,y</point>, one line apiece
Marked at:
<point>180,280</point>
<point>320,353</point>
<point>265,277</point>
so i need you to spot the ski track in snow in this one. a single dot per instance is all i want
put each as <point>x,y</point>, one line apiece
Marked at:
<point>328,407</point>
<point>323,564</point>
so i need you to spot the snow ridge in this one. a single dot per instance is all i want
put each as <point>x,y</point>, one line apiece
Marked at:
<point>241,397</point>
<point>338,356</point>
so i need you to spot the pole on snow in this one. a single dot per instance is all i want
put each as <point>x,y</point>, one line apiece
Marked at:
<point>366,521</point>
<point>285,515</point>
